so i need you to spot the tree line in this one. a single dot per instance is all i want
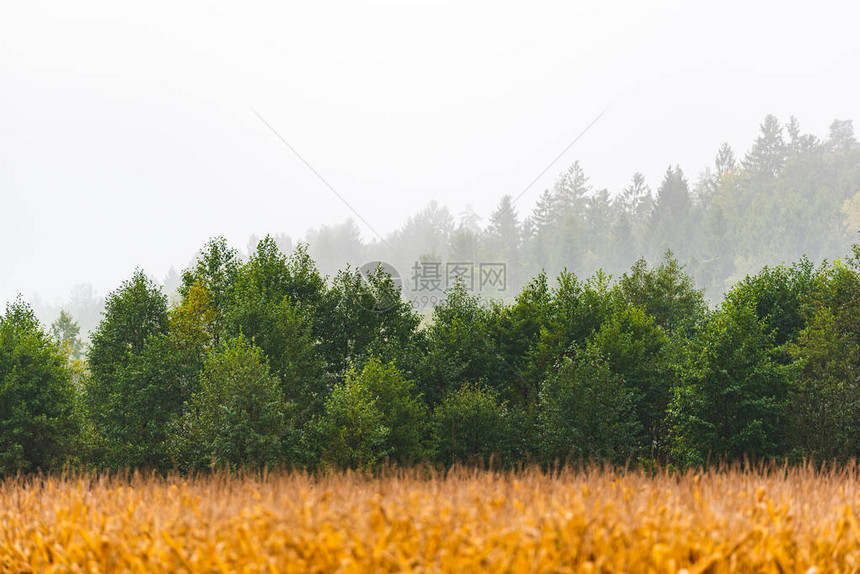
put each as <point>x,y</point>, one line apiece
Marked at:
<point>790,194</point>
<point>264,362</point>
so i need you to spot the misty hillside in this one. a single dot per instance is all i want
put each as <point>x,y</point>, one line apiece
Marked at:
<point>790,194</point>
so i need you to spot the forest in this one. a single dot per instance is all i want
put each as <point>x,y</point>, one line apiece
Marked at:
<point>791,194</point>
<point>717,322</point>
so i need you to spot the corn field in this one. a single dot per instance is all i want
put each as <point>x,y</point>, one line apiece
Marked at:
<point>589,520</point>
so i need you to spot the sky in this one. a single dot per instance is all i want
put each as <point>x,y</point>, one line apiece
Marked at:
<point>129,133</point>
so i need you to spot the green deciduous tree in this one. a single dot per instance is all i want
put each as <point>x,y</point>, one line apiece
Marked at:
<point>402,408</point>
<point>472,425</point>
<point>666,293</point>
<point>38,427</point>
<point>459,347</point>
<point>782,297</point>
<point>369,317</point>
<point>238,418</point>
<point>133,313</point>
<point>636,349</point>
<point>352,429</point>
<point>216,269</point>
<point>587,411</point>
<point>516,328</point>
<point>576,311</point>
<point>133,387</point>
<point>825,402</point>
<point>375,413</point>
<point>732,397</point>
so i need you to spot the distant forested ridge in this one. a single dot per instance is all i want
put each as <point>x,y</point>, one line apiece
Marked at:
<point>263,362</point>
<point>791,194</point>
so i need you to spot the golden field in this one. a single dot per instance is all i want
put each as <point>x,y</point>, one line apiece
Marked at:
<point>781,520</point>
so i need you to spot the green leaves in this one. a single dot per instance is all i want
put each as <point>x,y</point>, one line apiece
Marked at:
<point>353,427</point>
<point>38,427</point>
<point>261,363</point>
<point>638,350</point>
<point>587,412</point>
<point>665,292</point>
<point>371,415</point>
<point>134,312</point>
<point>825,400</point>
<point>67,332</point>
<point>140,376</point>
<point>733,397</point>
<point>472,425</point>
<point>238,417</point>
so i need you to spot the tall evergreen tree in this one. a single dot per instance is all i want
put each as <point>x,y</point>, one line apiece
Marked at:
<point>798,142</point>
<point>571,189</point>
<point>599,214</point>
<point>544,214</point>
<point>671,220</point>
<point>504,235</point>
<point>768,154</point>
<point>504,227</point>
<point>725,161</point>
<point>636,199</point>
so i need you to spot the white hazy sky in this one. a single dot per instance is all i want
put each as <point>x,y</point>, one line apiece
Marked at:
<point>127,137</point>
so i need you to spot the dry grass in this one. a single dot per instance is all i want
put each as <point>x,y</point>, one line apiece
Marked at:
<point>785,520</point>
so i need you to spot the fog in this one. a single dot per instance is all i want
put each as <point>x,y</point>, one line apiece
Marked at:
<point>128,136</point>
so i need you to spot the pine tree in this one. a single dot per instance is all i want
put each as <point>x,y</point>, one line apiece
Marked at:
<point>470,220</point>
<point>503,232</point>
<point>799,143</point>
<point>671,218</point>
<point>600,217</point>
<point>544,216</point>
<point>636,198</point>
<point>571,189</point>
<point>842,135</point>
<point>769,151</point>
<point>725,161</point>
<point>569,244</point>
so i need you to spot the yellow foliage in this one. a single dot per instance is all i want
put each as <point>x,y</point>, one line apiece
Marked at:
<point>851,211</point>
<point>782,520</point>
<point>195,318</point>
